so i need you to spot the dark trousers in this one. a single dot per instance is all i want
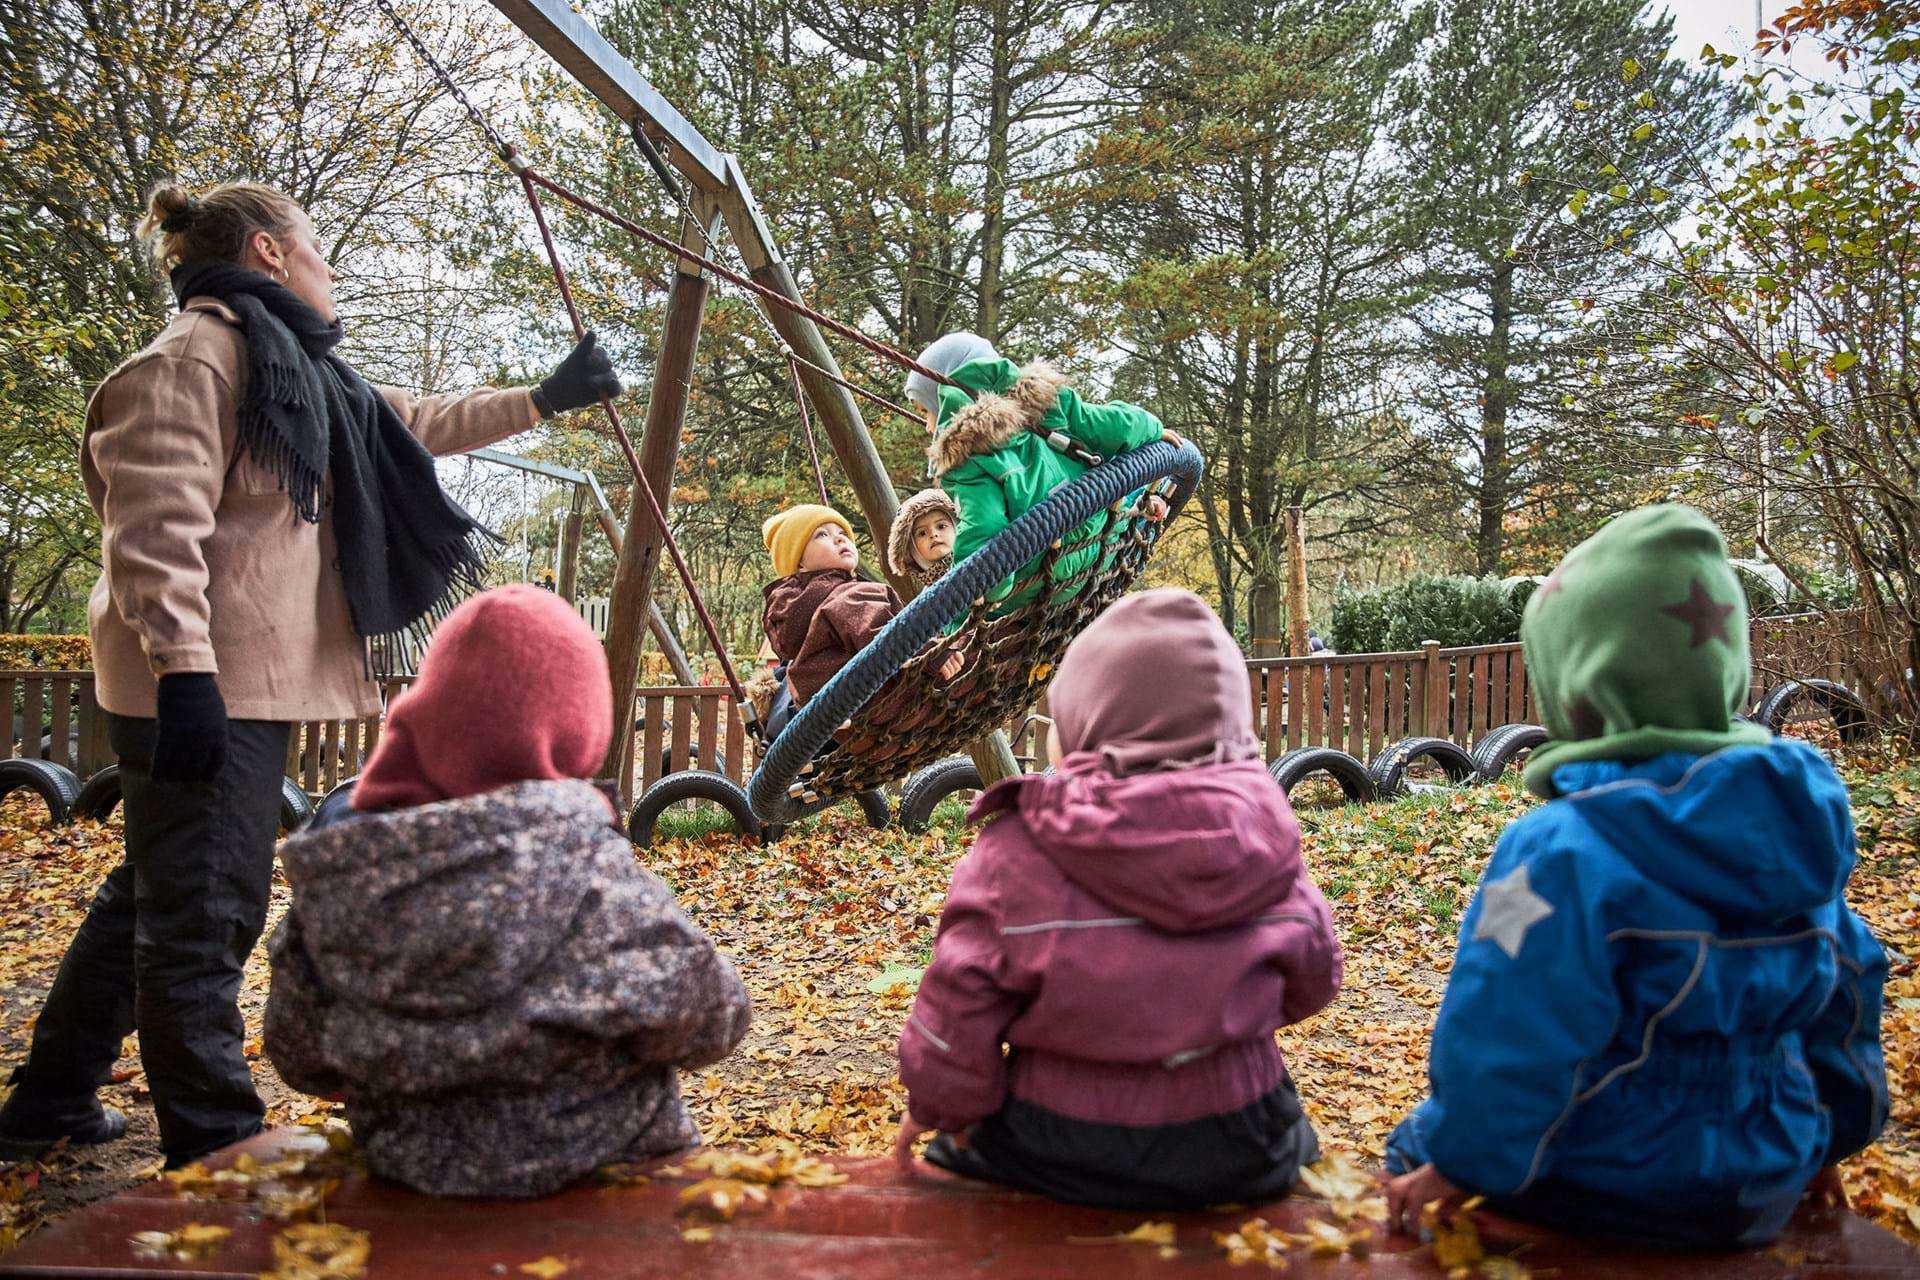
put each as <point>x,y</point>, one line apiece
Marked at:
<point>1240,1157</point>
<point>163,945</point>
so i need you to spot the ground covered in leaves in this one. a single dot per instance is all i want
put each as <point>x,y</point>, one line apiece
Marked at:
<point>826,925</point>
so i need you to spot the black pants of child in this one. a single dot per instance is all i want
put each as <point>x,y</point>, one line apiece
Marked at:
<point>1242,1157</point>
<point>162,948</point>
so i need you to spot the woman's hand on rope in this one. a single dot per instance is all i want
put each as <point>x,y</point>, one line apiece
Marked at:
<point>1156,508</point>
<point>190,744</point>
<point>579,380</point>
<point>951,667</point>
<point>1171,436</point>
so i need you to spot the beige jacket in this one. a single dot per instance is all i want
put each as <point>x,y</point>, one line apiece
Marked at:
<point>205,565</point>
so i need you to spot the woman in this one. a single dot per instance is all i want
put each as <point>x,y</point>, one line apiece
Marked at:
<point>264,514</point>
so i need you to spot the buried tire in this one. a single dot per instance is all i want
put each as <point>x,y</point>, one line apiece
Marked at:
<point>1297,765</point>
<point>1841,705</point>
<point>694,784</point>
<point>1389,768</point>
<point>923,792</point>
<point>1495,753</point>
<point>56,785</point>
<point>102,795</point>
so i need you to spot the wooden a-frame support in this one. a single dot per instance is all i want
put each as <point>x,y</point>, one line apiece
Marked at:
<point>718,189</point>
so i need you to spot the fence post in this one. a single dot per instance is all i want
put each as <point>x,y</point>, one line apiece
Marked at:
<point>1433,707</point>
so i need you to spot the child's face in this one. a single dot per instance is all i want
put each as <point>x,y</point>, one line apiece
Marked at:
<point>830,547</point>
<point>933,420</point>
<point>932,538</point>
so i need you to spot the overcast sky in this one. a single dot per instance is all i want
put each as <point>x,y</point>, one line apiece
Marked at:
<point>1727,25</point>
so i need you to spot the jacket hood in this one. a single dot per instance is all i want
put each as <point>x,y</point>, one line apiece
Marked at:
<point>994,403</point>
<point>1186,850</point>
<point>1753,832</point>
<point>900,557</point>
<point>1636,645</point>
<point>493,882</point>
<point>462,730</point>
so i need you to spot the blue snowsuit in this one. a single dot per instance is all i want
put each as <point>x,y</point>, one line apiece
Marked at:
<point>1663,1019</point>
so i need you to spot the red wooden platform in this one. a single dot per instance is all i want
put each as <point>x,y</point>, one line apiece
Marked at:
<point>878,1223</point>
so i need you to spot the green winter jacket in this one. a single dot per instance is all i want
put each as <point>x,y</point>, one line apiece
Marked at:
<point>996,468</point>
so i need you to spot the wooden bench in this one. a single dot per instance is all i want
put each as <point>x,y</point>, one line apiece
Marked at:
<point>877,1223</point>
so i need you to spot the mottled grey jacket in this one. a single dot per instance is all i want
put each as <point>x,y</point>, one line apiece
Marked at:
<point>497,989</point>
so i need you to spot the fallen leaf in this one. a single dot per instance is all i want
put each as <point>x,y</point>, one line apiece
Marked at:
<point>697,1235</point>
<point>1160,1233</point>
<point>547,1268</point>
<point>722,1197</point>
<point>195,1241</point>
<point>319,1251</point>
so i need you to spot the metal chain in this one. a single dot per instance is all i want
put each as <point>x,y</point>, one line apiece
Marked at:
<point>500,145</point>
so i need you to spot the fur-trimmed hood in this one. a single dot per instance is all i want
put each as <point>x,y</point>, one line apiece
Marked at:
<point>1002,407</point>
<point>900,555</point>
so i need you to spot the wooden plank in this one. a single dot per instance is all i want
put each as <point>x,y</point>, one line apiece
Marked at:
<point>330,771</point>
<point>9,690</point>
<point>682,732</point>
<point>1482,694</point>
<point>1497,694</point>
<point>1356,679</point>
<point>90,718</point>
<point>1376,708</point>
<point>33,715</point>
<point>314,746</point>
<point>1316,708</point>
<point>736,743</point>
<point>879,1222</point>
<point>1296,704</point>
<point>60,689</point>
<point>654,712</point>
<point>710,730</point>
<point>1275,683</point>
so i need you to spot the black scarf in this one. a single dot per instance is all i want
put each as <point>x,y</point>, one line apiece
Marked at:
<point>408,553</point>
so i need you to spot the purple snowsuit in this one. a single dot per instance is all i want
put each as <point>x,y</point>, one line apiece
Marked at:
<point>1135,941</point>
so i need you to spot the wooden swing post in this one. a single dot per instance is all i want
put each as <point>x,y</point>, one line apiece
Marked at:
<point>659,453</point>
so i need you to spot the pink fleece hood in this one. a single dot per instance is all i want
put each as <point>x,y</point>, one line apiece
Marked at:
<point>1160,806</point>
<point>513,688</point>
<point>1155,683</point>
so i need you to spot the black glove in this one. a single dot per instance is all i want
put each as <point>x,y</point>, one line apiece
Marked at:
<point>580,380</point>
<point>192,741</point>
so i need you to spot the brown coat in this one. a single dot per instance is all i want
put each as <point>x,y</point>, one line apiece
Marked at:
<point>818,619</point>
<point>205,566</point>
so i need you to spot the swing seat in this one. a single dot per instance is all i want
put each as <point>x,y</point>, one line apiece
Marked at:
<point>847,740</point>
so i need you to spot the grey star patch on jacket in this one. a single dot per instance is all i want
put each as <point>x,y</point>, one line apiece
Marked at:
<point>1508,908</point>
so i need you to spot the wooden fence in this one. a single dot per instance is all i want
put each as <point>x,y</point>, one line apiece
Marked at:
<point>1356,702</point>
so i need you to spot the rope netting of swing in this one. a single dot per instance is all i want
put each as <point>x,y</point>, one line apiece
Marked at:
<point>889,711</point>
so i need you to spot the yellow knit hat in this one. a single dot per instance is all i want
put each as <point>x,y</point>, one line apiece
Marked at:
<point>786,533</point>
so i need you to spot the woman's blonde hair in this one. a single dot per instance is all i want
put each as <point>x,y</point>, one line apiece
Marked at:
<point>213,226</point>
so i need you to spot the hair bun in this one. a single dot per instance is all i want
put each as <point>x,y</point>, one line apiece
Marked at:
<point>172,207</point>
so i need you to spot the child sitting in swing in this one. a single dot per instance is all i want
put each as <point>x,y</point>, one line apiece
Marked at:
<point>990,451</point>
<point>818,613</point>
<point>1663,1021</point>
<point>1134,926</point>
<point>920,545</point>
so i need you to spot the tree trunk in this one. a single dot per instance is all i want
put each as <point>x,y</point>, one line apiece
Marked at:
<point>1266,611</point>
<point>1496,398</point>
<point>993,227</point>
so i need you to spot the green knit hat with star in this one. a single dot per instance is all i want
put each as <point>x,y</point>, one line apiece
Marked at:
<point>1637,645</point>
